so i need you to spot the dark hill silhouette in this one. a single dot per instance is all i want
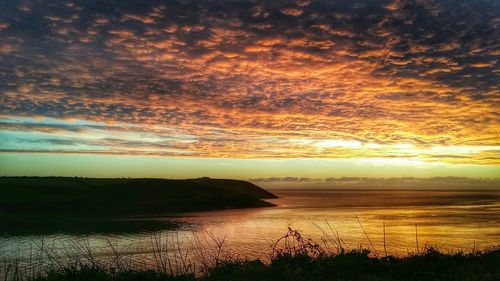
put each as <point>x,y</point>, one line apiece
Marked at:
<point>121,196</point>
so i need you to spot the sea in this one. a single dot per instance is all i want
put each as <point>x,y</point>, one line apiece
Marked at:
<point>386,222</point>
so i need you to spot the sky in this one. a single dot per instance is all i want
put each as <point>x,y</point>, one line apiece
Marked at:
<point>262,90</point>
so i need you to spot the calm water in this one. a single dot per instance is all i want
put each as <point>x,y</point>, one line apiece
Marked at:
<point>448,220</point>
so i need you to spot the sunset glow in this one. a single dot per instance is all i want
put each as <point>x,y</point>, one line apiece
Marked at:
<point>249,140</point>
<point>357,84</point>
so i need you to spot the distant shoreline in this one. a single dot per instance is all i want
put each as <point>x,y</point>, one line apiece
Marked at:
<point>374,189</point>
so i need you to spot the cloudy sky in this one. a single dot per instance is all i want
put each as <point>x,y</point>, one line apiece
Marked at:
<point>250,89</point>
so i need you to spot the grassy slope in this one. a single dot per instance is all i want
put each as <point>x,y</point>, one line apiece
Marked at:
<point>355,265</point>
<point>89,196</point>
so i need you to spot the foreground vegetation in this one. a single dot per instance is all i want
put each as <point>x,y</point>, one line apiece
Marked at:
<point>354,265</point>
<point>292,258</point>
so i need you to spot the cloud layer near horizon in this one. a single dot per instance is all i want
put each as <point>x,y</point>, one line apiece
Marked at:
<point>251,79</point>
<point>381,183</point>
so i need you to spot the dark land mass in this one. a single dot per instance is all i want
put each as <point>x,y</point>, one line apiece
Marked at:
<point>44,204</point>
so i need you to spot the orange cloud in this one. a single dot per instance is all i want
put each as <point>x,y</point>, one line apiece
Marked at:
<point>248,81</point>
<point>292,12</point>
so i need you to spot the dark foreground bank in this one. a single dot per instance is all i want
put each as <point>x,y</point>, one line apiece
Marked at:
<point>291,258</point>
<point>353,265</point>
